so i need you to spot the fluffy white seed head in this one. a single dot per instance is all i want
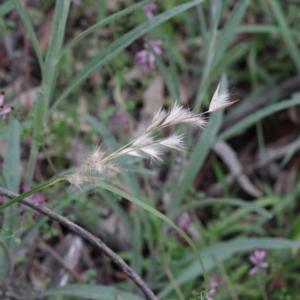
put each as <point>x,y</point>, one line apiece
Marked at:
<point>146,146</point>
<point>175,141</point>
<point>158,119</point>
<point>143,140</point>
<point>153,152</point>
<point>77,179</point>
<point>220,99</point>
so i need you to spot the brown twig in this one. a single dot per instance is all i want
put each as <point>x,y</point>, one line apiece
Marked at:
<point>88,236</point>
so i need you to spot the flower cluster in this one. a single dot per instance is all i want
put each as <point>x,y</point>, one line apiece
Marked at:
<point>146,58</point>
<point>5,111</point>
<point>98,163</point>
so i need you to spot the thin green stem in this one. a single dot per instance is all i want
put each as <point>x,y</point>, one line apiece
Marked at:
<point>136,201</point>
<point>9,262</point>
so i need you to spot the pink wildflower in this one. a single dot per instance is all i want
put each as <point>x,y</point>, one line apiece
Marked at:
<point>4,112</point>
<point>1,200</point>
<point>183,223</point>
<point>119,121</point>
<point>36,198</point>
<point>146,57</point>
<point>214,283</point>
<point>257,258</point>
<point>149,9</point>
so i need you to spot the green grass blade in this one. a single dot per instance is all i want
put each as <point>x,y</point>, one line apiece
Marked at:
<point>228,59</point>
<point>28,25</point>
<point>173,69</point>
<point>116,47</point>
<point>286,33</point>
<point>55,45</point>
<point>271,29</point>
<point>230,28</point>
<point>158,214</point>
<point>31,192</point>
<point>11,172</point>
<point>85,291</point>
<point>107,20</point>
<point>171,85</point>
<point>12,177</point>
<point>109,140</point>
<point>290,153</point>
<point>224,251</point>
<point>253,118</point>
<point>221,201</point>
<point>5,8</point>
<point>197,158</point>
<point>3,133</point>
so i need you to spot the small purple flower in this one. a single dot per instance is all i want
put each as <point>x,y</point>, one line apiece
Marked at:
<point>257,258</point>
<point>184,221</point>
<point>36,198</point>
<point>119,121</point>
<point>146,57</point>
<point>4,112</point>
<point>1,200</point>
<point>149,9</point>
<point>215,281</point>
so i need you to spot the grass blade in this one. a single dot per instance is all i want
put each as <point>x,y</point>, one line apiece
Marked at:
<point>158,214</point>
<point>28,25</point>
<point>224,251</point>
<point>116,47</point>
<point>253,118</point>
<point>230,29</point>
<point>12,176</point>
<point>235,202</point>
<point>107,20</point>
<point>197,158</point>
<point>286,33</point>
<point>85,291</point>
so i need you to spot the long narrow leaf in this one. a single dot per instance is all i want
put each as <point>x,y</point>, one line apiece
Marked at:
<point>31,192</point>
<point>286,33</point>
<point>12,176</point>
<point>107,20</point>
<point>116,47</point>
<point>55,45</point>
<point>230,28</point>
<point>197,158</point>
<point>28,25</point>
<point>253,118</point>
<point>221,201</point>
<point>158,214</point>
<point>85,291</point>
<point>226,250</point>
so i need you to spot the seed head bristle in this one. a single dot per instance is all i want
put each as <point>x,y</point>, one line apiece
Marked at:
<point>175,141</point>
<point>112,169</point>
<point>146,146</point>
<point>77,179</point>
<point>144,139</point>
<point>220,99</point>
<point>153,152</point>
<point>158,119</point>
